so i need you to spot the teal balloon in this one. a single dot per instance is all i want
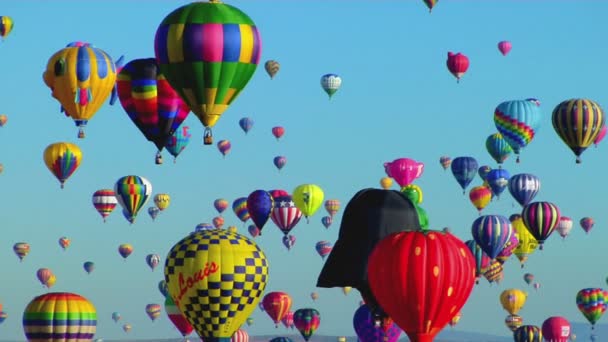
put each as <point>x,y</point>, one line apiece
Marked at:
<point>498,148</point>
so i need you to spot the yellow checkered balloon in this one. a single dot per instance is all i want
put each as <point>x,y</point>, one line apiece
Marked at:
<point>216,278</point>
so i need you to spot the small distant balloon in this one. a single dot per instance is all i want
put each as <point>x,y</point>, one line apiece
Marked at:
<point>224,147</point>
<point>331,83</point>
<point>246,124</point>
<point>504,47</point>
<point>272,67</point>
<point>458,64</point>
<point>278,132</point>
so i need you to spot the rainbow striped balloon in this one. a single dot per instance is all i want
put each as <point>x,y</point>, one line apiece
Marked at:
<point>592,303</point>
<point>517,121</point>
<point>59,316</point>
<point>541,218</point>
<point>132,193</point>
<point>239,206</point>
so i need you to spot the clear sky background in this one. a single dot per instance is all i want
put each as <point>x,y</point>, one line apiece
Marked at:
<point>397,100</point>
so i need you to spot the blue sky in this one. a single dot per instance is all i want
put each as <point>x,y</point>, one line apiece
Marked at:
<point>397,100</point>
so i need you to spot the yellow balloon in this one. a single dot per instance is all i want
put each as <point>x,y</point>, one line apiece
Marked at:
<point>52,280</point>
<point>216,278</point>
<point>162,201</point>
<point>527,242</point>
<point>308,198</point>
<point>386,183</point>
<point>513,300</point>
<point>346,290</point>
<point>62,159</point>
<point>81,77</point>
<point>232,229</point>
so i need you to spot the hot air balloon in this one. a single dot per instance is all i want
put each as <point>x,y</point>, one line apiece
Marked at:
<point>331,83</point>
<point>240,336</point>
<point>3,120</point>
<point>210,267</point>
<point>369,216</point>
<point>480,197</point>
<point>458,64</point>
<point>541,218</point>
<point>153,106</point>
<point>224,146</point>
<point>178,141</point>
<point>386,183</point>
<point>64,242</point>
<point>332,206</point>
<point>517,121</point>
<point>279,162</point>
<point>272,67</point>
<point>448,273</point>
<point>491,232</point>
<point>307,321</point>
<point>323,248</point>
<point>573,337</point>
<point>513,300</point>
<point>464,170</point>
<point>232,229</point>
<point>508,249</point>
<point>276,305</point>
<point>239,206</point>
<point>308,198</point>
<point>326,221</point>
<point>125,250</point>
<point>587,224</point>
<point>62,159</point>
<point>246,124</point>
<point>528,278</point>
<point>278,132</point>
<point>259,205</point>
<point>162,201</point>
<point>132,193</point>
<point>483,171</point>
<point>6,26</point>
<point>504,47</point>
<point>527,242</point>
<point>162,287</point>
<point>601,135</point>
<point>288,320</point>
<point>126,328</point>
<point>21,249</point>
<point>220,205</point>
<point>218,222</point>
<point>528,333</point>
<point>43,275</point>
<point>564,226</point>
<point>60,316</point>
<point>88,266</point>
<point>285,214</point>
<point>498,148</point>
<point>445,162</point>
<point>289,241</point>
<point>578,122</point>
<point>281,339</point>
<point>404,170</point>
<point>152,211</point>
<point>104,201</point>
<point>497,180</point>
<point>116,317</point>
<point>253,230</point>
<point>217,38</point>
<point>314,296</point>
<point>81,77</point>
<point>368,331</point>
<point>481,259</point>
<point>249,321</point>
<point>536,286</point>
<point>152,260</point>
<point>494,272</point>
<point>153,311</point>
<point>592,303</point>
<point>430,4</point>
<point>513,322</point>
<point>524,187</point>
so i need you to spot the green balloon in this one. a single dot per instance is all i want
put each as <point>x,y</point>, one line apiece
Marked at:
<point>422,218</point>
<point>412,194</point>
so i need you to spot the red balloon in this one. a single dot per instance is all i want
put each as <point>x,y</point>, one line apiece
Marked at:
<point>278,132</point>
<point>556,329</point>
<point>276,305</point>
<point>458,64</point>
<point>421,280</point>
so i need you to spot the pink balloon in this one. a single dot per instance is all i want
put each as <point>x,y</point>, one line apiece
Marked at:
<point>600,136</point>
<point>556,329</point>
<point>404,170</point>
<point>504,47</point>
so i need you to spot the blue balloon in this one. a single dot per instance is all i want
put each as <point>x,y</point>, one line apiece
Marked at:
<point>478,255</point>
<point>524,187</point>
<point>281,339</point>
<point>246,124</point>
<point>498,180</point>
<point>483,172</point>
<point>259,205</point>
<point>367,330</point>
<point>178,141</point>
<point>464,170</point>
<point>491,232</point>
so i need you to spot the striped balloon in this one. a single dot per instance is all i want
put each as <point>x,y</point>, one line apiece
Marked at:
<point>277,305</point>
<point>132,193</point>
<point>224,146</point>
<point>220,205</point>
<point>498,148</point>
<point>60,316</point>
<point>323,248</point>
<point>240,336</point>
<point>208,51</point>
<point>327,221</point>
<point>332,206</point>
<point>153,311</point>
<point>430,4</point>
<point>480,197</point>
<point>246,124</point>
<point>62,159</point>
<point>528,333</point>
<point>517,121</point>
<point>564,226</point>
<point>104,201</point>
<point>592,303</point>
<point>494,272</point>
<point>513,322</point>
<point>510,246</point>
<point>272,67</point>
<point>578,122</point>
<point>177,318</point>
<point>285,214</point>
<point>541,218</point>
<point>307,321</point>
<point>481,259</point>
<point>239,206</point>
<point>491,232</point>
<point>524,187</point>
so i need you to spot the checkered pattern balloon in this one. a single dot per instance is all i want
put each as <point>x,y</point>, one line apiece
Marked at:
<point>216,278</point>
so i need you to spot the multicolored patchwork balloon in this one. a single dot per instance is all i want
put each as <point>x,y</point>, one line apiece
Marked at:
<point>592,303</point>
<point>307,321</point>
<point>62,159</point>
<point>132,193</point>
<point>60,316</point>
<point>178,141</point>
<point>208,51</point>
<point>368,331</point>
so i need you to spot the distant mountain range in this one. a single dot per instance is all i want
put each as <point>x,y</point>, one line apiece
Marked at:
<point>582,330</point>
